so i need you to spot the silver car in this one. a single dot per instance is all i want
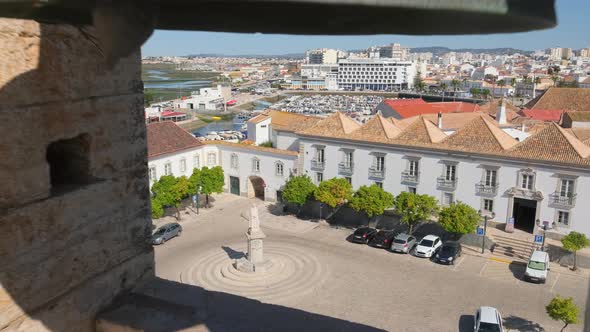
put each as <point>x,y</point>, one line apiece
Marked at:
<point>403,243</point>
<point>166,232</point>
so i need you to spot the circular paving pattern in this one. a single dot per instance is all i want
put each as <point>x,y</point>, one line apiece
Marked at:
<point>294,272</point>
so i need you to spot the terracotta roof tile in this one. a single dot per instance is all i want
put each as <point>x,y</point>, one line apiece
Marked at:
<point>579,116</point>
<point>543,115</point>
<point>287,121</point>
<point>377,127</point>
<point>553,143</point>
<point>334,125</point>
<point>562,99</point>
<point>167,137</point>
<point>582,134</point>
<point>252,147</point>
<point>480,134</point>
<point>421,131</point>
<point>259,118</point>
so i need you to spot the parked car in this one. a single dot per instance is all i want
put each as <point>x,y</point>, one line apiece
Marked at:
<point>488,319</point>
<point>428,246</point>
<point>448,253</point>
<point>403,243</point>
<point>166,232</point>
<point>537,267</point>
<point>383,239</point>
<point>363,234</point>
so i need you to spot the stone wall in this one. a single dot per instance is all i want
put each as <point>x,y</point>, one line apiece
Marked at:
<point>74,208</point>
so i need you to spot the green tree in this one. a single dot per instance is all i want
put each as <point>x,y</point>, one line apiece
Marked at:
<point>563,309</point>
<point>459,218</point>
<point>157,209</point>
<point>443,87</point>
<point>573,242</point>
<point>501,84</point>
<point>554,78</point>
<point>298,190</point>
<point>211,181</point>
<point>194,182</point>
<point>334,192</point>
<point>475,92</point>
<point>169,191</point>
<point>412,207</point>
<point>372,200</point>
<point>485,93</point>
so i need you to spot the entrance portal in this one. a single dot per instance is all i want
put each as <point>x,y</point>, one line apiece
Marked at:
<point>256,187</point>
<point>524,212</point>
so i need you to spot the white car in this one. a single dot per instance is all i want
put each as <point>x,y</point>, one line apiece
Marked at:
<point>427,246</point>
<point>537,267</point>
<point>488,319</point>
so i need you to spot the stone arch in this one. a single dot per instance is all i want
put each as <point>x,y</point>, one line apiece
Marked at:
<point>256,187</point>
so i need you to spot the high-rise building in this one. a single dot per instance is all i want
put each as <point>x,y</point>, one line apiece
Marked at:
<point>555,53</point>
<point>375,74</point>
<point>566,53</point>
<point>394,51</point>
<point>585,53</point>
<point>321,56</point>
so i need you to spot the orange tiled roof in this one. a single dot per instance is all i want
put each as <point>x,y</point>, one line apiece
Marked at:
<point>422,131</point>
<point>287,121</point>
<point>336,124</point>
<point>377,127</point>
<point>562,99</point>
<point>481,134</point>
<point>167,137</point>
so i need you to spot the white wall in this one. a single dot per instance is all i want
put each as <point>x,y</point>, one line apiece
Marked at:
<point>285,140</point>
<point>245,170</point>
<point>259,132</point>
<point>174,159</point>
<point>470,171</point>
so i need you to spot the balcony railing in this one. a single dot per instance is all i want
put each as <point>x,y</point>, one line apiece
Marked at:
<point>374,172</point>
<point>556,199</point>
<point>445,183</point>
<point>409,177</point>
<point>317,164</point>
<point>486,189</point>
<point>345,168</point>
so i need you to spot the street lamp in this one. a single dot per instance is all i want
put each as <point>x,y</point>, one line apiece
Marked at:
<point>485,227</point>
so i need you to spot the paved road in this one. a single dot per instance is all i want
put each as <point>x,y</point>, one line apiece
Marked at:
<point>376,288</point>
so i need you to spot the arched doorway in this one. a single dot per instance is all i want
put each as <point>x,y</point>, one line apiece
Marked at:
<point>256,187</point>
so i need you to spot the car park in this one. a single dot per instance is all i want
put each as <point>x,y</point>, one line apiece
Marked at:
<point>428,246</point>
<point>448,253</point>
<point>403,243</point>
<point>166,232</point>
<point>488,319</point>
<point>383,239</point>
<point>537,267</point>
<point>363,235</point>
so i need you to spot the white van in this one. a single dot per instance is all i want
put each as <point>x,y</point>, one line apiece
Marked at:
<point>537,267</point>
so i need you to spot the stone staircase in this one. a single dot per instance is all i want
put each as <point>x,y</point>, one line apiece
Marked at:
<point>512,248</point>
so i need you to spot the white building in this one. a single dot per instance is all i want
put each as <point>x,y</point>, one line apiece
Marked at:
<point>375,74</point>
<point>206,99</point>
<point>322,56</point>
<point>249,171</point>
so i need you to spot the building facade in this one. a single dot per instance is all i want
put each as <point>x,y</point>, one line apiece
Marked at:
<point>375,74</point>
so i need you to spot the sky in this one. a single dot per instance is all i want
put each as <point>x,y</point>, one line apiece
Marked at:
<point>571,31</point>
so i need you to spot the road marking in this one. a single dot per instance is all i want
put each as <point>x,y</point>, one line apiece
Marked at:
<point>501,260</point>
<point>458,263</point>
<point>482,268</point>
<point>555,283</point>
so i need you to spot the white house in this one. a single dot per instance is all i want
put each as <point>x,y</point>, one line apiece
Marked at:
<point>250,171</point>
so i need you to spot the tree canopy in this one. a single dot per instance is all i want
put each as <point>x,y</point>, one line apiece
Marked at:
<point>157,209</point>
<point>334,192</point>
<point>413,207</point>
<point>563,309</point>
<point>458,218</point>
<point>573,242</point>
<point>169,191</point>
<point>298,190</point>
<point>211,181</point>
<point>372,200</point>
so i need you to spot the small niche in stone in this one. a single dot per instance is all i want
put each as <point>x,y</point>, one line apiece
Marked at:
<point>69,163</point>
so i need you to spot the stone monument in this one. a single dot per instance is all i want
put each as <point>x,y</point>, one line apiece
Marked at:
<point>255,261</point>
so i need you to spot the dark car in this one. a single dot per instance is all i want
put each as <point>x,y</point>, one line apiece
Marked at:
<point>448,253</point>
<point>383,239</point>
<point>166,232</point>
<point>363,234</point>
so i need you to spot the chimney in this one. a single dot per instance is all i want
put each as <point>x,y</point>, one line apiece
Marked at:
<point>523,128</point>
<point>440,120</point>
<point>501,112</point>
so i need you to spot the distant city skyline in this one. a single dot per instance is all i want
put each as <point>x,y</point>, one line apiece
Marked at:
<point>570,32</point>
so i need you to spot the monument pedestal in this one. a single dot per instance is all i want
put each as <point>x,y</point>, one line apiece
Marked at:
<point>255,261</point>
